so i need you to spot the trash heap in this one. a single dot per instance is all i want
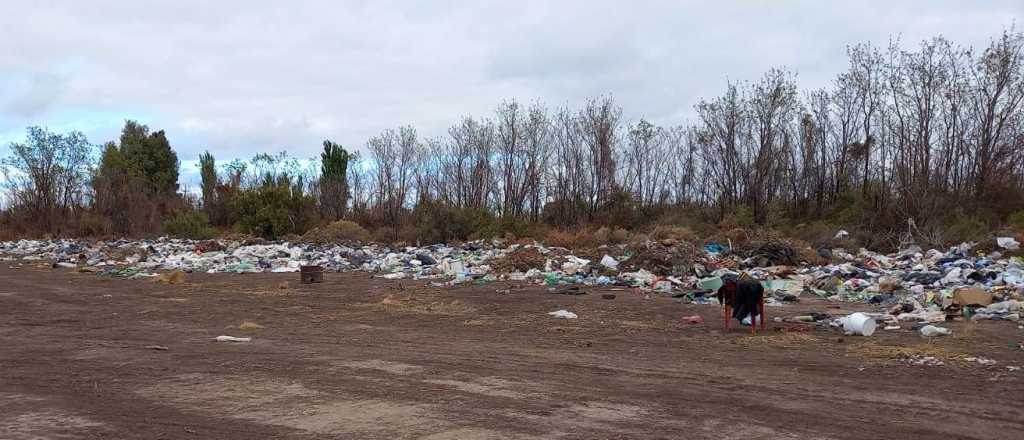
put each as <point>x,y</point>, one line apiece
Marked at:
<point>912,285</point>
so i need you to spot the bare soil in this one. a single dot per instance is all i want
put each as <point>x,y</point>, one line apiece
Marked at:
<point>83,356</point>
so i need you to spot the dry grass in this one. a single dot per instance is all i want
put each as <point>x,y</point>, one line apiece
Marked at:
<point>779,340</point>
<point>560,238</point>
<point>176,277</point>
<point>736,236</point>
<point>249,326</point>
<point>606,235</point>
<point>681,233</point>
<point>415,305</point>
<point>873,350</point>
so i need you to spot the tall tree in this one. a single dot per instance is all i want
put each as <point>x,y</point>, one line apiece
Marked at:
<point>46,175</point>
<point>334,180</point>
<point>208,174</point>
<point>150,155</point>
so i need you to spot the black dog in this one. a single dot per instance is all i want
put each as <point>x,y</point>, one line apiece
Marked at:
<point>743,296</point>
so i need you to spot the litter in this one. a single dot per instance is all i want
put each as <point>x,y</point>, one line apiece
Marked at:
<point>931,330</point>
<point>858,324</point>
<point>1008,243</point>
<point>694,319</point>
<point>913,285</point>
<point>980,360</point>
<point>564,314</point>
<point>231,339</point>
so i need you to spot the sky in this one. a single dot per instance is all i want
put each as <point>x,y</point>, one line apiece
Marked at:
<point>243,77</point>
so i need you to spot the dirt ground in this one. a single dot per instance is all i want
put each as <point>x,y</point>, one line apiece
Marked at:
<point>83,356</point>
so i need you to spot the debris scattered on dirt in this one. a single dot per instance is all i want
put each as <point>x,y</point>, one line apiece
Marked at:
<point>925,361</point>
<point>914,285</point>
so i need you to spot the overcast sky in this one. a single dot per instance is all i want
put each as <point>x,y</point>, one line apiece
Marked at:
<point>242,77</point>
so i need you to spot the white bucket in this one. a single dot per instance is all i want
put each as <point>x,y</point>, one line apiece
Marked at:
<point>859,324</point>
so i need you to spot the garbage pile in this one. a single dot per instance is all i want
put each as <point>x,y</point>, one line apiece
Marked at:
<point>911,285</point>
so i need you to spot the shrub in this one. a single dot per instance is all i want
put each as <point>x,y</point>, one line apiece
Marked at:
<point>437,222</point>
<point>619,211</point>
<point>817,233</point>
<point>744,216</point>
<point>94,225</point>
<point>192,224</point>
<point>963,227</point>
<point>339,231</point>
<point>383,234</point>
<point>272,211</point>
<point>1016,220</point>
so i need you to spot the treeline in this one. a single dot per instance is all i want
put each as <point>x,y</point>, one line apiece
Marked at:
<point>934,135</point>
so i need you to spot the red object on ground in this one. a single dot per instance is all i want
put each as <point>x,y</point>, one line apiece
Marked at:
<point>727,295</point>
<point>695,319</point>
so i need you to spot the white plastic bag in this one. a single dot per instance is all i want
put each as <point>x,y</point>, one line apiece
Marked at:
<point>1008,243</point>
<point>931,330</point>
<point>609,262</point>
<point>564,314</point>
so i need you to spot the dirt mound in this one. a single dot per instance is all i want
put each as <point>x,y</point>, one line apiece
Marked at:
<point>520,260</point>
<point>665,257</point>
<point>338,232</point>
<point>209,246</point>
<point>771,249</point>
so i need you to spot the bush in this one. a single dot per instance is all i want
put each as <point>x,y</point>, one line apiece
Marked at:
<point>619,211</point>
<point>193,224</point>
<point>963,227</point>
<point>817,233</point>
<point>437,222</point>
<point>272,211</point>
<point>744,216</point>
<point>1016,220</point>
<point>95,225</point>
<point>383,234</point>
<point>339,231</point>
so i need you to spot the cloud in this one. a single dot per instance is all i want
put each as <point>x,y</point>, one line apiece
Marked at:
<point>241,77</point>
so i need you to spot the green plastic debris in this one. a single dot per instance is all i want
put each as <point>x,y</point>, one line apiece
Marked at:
<point>713,283</point>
